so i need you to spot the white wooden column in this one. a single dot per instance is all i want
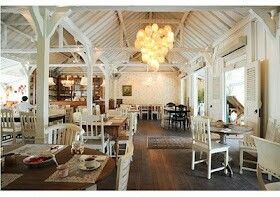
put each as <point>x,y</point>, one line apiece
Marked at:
<point>45,24</point>
<point>89,88</point>
<point>89,79</point>
<point>182,91</point>
<point>115,91</point>
<point>42,90</point>
<point>107,87</point>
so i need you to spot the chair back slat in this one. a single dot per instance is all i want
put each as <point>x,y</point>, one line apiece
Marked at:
<point>133,121</point>
<point>200,127</point>
<point>94,125</point>
<point>268,156</point>
<point>28,123</point>
<point>271,129</point>
<point>63,134</point>
<point>7,119</point>
<point>97,110</point>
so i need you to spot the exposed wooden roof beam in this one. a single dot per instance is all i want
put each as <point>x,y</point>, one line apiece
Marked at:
<point>18,31</point>
<point>219,19</point>
<point>263,16</point>
<point>183,19</point>
<point>120,16</point>
<point>148,21</point>
<point>81,49</point>
<point>17,9</point>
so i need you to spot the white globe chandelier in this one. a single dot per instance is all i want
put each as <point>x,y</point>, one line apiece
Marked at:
<point>154,43</point>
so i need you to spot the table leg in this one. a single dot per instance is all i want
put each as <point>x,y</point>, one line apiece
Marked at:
<point>223,139</point>
<point>117,146</point>
<point>228,167</point>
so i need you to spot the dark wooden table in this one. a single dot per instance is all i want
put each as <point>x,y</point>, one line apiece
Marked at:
<point>51,118</point>
<point>173,111</point>
<point>34,178</point>
<point>114,129</point>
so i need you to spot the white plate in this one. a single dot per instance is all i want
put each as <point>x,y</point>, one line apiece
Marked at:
<point>83,167</point>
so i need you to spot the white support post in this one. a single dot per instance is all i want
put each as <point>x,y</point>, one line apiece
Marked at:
<point>182,91</point>
<point>42,90</point>
<point>89,79</point>
<point>60,36</point>
<point>115,91</point>
<point>45,26</point>
<point>107,87</point>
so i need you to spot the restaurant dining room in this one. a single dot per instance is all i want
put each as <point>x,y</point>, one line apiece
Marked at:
<point>135,97</point>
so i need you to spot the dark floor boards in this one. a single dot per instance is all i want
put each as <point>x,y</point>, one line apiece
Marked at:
<point>167,169</point>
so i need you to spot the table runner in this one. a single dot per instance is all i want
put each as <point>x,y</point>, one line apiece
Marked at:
<point>35,149</point>
<point>7,178</point>
<point>76,175</point>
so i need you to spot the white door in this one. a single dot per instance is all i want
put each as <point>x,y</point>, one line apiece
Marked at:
<point>253,96</point>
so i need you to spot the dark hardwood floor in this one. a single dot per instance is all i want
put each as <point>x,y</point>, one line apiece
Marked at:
<point>170,169</point>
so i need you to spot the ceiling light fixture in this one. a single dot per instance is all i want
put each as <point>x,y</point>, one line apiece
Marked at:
<point>83,81</point>
<point>154,43</point>
<point>67,83</point>
<point>51,82</point>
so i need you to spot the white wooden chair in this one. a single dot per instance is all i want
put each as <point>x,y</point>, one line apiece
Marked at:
<point>123,110</point>
<point>202,143</point>
<point>8,125</point>
<point>81,109</point>
<point>29,126</point>
<point>69,114</point>
<point>63,134</point>
<point>144,110</point>
<point>125,137</point>
<point>268,162</point>
<point>123,169</point>
<point>97,110</point>
<point>134,121</point>
<point>164,117</point>
<point>138,108</point>
<point>248,145</point>
<point>155,111</point>
<point>94,132</point>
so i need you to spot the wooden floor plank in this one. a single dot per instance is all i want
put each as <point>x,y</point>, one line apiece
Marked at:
<point>167,169</point>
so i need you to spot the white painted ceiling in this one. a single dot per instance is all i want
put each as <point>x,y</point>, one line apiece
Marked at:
<point>201,28</point>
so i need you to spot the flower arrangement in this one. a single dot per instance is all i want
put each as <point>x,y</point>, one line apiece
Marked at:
<point>22,89</point>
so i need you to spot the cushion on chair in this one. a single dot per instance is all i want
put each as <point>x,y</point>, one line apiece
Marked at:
<point>215,147</point>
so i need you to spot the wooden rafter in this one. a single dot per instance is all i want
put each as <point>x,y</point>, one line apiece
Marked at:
<point>122,25</point>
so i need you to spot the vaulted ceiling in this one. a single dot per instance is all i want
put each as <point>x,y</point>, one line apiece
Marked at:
<point>114,30</point>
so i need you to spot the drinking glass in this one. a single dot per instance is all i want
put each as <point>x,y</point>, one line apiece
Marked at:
<point>77,147</point>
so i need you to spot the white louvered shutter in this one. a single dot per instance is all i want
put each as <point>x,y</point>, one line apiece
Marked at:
<point>215,91</point>
<point>253,96</point>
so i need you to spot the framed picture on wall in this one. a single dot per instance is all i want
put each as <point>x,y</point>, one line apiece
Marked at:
<point>127,90</point>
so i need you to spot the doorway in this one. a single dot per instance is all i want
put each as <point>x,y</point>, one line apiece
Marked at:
<point>234,95</point>
<point>200,92</point>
